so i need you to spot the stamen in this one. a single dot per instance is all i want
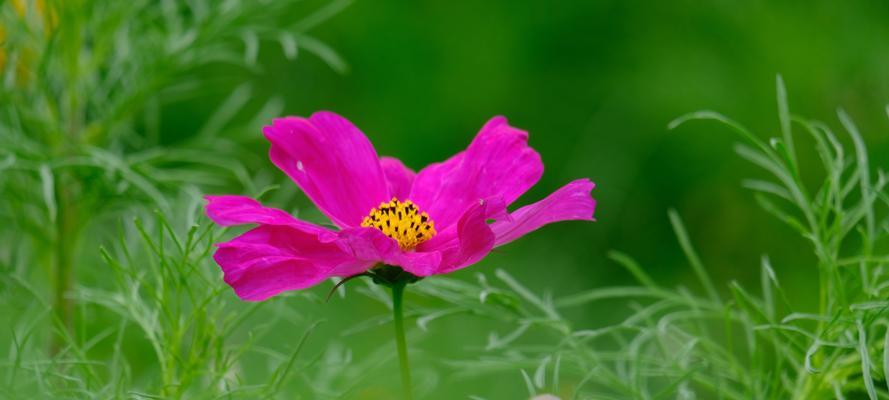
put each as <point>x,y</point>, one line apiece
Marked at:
<point>401,221</point>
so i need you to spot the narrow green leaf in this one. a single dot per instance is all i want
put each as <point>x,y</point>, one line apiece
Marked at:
<point>324,52</point>
<point>784,118</point>
<point>226,111</point>
<point>692,256</point>
<point>712,115</point>
<point>251,47</point>
<point>863,167</point>
<point>886,356</point>
<point>633,267</point>
<point>529,384</point>
<point>767,188</point>
<point>865,361</point>
<point>49,192</point>
<point>767,277</point>
<point>288,45</point>
<point>540,372</point>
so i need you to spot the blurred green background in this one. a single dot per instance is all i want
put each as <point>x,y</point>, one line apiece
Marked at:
<point>595,83</point>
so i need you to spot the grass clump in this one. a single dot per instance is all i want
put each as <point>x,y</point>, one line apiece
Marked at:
<point>741,343</point>
<point>176,335</point>
<point>84,85</point>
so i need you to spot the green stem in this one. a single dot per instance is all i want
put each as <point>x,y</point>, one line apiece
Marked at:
<point>400,342</point>
<point>63,263</point>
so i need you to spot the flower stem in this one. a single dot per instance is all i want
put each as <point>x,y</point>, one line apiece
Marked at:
<point>400,343</point>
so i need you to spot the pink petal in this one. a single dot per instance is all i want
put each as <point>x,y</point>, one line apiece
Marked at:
<point>271,259</point>
<point>372,245</point>
<point>399,178</point>
<point>239,210</point>
<point>494,208</point>
<point>498,163</point>
<point>230,210</point>
<point>332,162</point>
<point>474,237</point>
<point>260,278</point>
<point>570,202</point>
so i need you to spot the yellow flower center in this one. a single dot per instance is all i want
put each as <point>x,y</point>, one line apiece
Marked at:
<point>401,221</point>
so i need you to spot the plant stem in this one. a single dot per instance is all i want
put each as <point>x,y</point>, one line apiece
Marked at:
<point>63,263</point>
<point>400,343</point>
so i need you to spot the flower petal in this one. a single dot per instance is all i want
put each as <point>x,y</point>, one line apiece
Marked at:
<point>399,178</point>
<point>494,208</point>
<point>373,245</point>
<point>570,202</point>
<point>271,259</point>
<point>231,210</point>
<point>261,277</point>
<point>332,162</point>
<point>474,237</point>
<point>498,163</point>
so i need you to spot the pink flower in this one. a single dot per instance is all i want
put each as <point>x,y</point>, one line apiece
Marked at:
<point>431,222</point>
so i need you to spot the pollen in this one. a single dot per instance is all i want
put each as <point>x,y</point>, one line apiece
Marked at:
<point>401,221</point>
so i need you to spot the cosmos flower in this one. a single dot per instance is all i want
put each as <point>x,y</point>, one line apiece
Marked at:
<point>445,217</point>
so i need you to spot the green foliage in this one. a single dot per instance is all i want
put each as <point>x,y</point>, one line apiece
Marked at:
<point>165,296</point>
<point>681,345</point>
<point>82,88</point>
<point>737,344</point>
<point>831,351</point>
<point>84,83</point>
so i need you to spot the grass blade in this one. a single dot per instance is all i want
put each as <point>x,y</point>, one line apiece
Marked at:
<point>692,256</point>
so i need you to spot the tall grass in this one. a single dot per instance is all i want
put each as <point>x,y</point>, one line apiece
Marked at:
<point>741,343</point>
<point>83,85</point>
<point>167,298</point>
